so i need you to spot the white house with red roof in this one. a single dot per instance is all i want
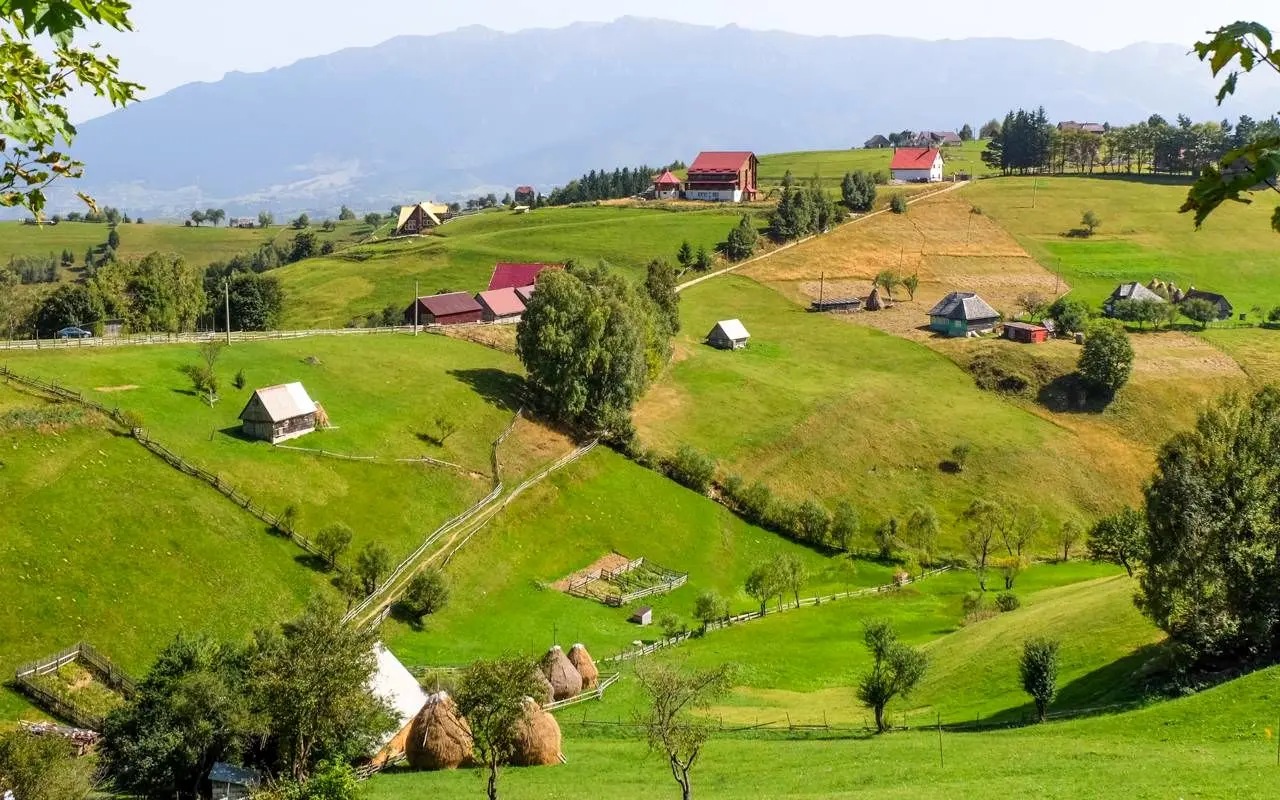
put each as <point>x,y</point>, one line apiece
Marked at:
<point>666,186</point>
<point>723,177</point>
<point>917,164</point>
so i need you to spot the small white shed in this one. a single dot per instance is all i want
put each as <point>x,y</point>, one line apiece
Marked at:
<point>728,334</point>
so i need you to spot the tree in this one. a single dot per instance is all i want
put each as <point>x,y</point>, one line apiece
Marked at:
<point>792,574</point>
<point>812,521</point>
<point>668,720</point>
<point>845,525</point>
<point>1069,535</point>
<point>1200,310</point>
<point>266,219</point>
<point>42,66</point>
<point>1106,358</point>
<point>1018,529</point>
<point>660,285</point>
<point>983,519</point>
<point>1033,304</point>
<point>990,129</point>
<point>113,241</point>
<point>763,583</point>
<point>333,540</point>
<point>1119,539</point>
<point>1242,46</point>
<point>691,468</point>
<point>1090,221</point>
<point>886,537</point>
<point>43,768</point>
<point>328,226</point>
<point>215,215</point>
<point>966,133</point>
<point>911,283</point>
<point>794,217</point>
<point>427,592</point>
<point>1069,315</point>
<point>684,256</point>
<point>897,670</point>
<point>490,695</point>
<point>198,217</point>
<point>887,280</point>
<point>310,683</point>
<point>1039,670</point>
<point>256,301</point>
<point>346,214</point>
<point>188,713</point>
<point>743,240</point>
<point>304,246</point>
<point>302,221</point>
<point>373,219</point>
<point>702,260</point>
<point>898,204</point>
<point>670,625</point>
<point>858,190</point>
<point>373,562</point>
<point>922,530</point>
<point>709,607</point>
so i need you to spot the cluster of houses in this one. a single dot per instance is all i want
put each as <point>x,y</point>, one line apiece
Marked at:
<point>510,288</point>
<point>921,139</point>
<point>1158,291</point>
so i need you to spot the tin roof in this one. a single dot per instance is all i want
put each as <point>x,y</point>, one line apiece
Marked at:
<point>914,157</point>
<point>510,276</point>
<point>731,329</point>
<point>230,773</point>
<point>965,306</point>
<point>445,305</point>
<point>286,401</point>
<point>714,161</point>
<point>666,179</point>
<point>502,302</point>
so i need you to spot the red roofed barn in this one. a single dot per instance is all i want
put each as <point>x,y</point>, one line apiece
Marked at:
<point>511,276</point>
<point>917,164</point>
<point>728,177</point>
<point>444,309</point>
<point>666,186</point>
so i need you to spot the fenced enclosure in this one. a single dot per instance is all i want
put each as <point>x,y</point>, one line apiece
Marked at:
<point>637,578</point>
<point>25,680</point>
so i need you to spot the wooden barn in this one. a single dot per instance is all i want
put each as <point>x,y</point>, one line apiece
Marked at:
<point>525,293</point>
<point>513,276</point>
<point>395,686</point>
<point>963,314</point>
<point>723,177</point>
<point>1026,332</point>
<point>444,309</point>
<point>279,413</point>
<point>500,305</point>
<point>416,219</point>
<point>728,334</point>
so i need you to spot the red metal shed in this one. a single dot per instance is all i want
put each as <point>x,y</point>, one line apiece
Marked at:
<point>1026,332</point>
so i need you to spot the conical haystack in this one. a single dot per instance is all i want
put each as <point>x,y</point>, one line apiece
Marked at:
<point>586,666</point>
<point>440,737</point>
<point>874,303</point>
<point>545,695</point>
<point>537,737</point>
<point>565,680</point>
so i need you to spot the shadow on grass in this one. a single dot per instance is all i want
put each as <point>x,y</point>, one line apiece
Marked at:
<point>310,560</point>
<point>1068,394</point>
<point>406,617</point>
<point>497,386</point>
<point>237,432</point>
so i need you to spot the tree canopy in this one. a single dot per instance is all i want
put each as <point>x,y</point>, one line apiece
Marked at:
<point>1107,357</point>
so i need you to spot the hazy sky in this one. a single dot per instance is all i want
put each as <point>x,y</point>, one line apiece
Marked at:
<point>178,41</point>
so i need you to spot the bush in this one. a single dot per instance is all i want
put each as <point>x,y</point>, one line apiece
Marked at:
<point>671,625</point>
<point>756,502</point>
<point>1069,316</point>
<point>691,468</point>
<point>427,593</point>
<point>1107,357</point>
<point>239,380</point>
<point>960,455</point>
<point>898,204</point>
<point>1274,315</point>
<point>1007,601</point>
<point>326,249</point>
<point>812,521</point>
<point>974,605</point>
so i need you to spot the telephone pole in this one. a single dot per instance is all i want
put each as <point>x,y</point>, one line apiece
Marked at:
<point>226,296</point>
<point>415,308</point>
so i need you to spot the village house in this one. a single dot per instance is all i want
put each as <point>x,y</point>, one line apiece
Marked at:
<point>1129,291</point>
<point>416,219</point>
<point>279,413</point>
<point>500,305</point>
<point>525,293</point>
<point>242,222</point>
<point>453,308</point>
<point>725,177</point>
<point>1070,126</point>
<point>937,139</point>
<point>1218,301</point>
<point>877,142</point>
<point>1026,332</point>
<point>963,314</point>
<point>728,334</point>
<point>917,164</point>
<point>393,684</point>
<point>525,195</point>
<point>666,186</point>
<point>514,276</point>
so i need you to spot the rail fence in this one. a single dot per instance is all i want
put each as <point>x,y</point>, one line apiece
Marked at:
<point>670,641</point>
<point>24,679</point>
<point>591,694</point>
<point>668,580</point>
<point>375,459</point>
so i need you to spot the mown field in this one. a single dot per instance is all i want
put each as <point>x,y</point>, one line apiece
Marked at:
<point>1142,236</point>
<point>101,541</point>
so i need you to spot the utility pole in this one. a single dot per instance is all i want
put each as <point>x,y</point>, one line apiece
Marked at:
<point>822,280</point>
<point>226,296</point>
<point>1035,184</point>
<point>415,308</point>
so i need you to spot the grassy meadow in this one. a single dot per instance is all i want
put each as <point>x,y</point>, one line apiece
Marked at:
<point>831,165</point>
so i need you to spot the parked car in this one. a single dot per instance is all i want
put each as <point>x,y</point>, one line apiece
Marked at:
<point>74,333</point>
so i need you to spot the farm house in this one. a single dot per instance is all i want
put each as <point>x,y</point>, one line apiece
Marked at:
<point>1129,291</point>
<point>500,305</point>
<point>395,686</point>
<point>444,309</point>
<point>416,219</point>
<point>917,164</point>
<point>728,334</point>
<point>722,177</point>
<point>513,276</point>
<point>279,413</point>
<point>1220,303</point>
<point>666,186</point>
<point>1026,332</point>
<point>963,314</point>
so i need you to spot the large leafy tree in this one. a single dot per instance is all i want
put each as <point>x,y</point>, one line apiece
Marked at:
<point>42,768</point>
<point>1238,48</point>
<point>660,285</point>
<point>1211,577</point>
<point>41,65</point>
<point>1106,358</point>
<point>160,292</point>
<point>896,670</point>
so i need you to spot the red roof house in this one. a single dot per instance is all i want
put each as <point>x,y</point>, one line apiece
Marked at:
<point>723,176</point>
<point>666,186</point>
<point>510,276</point>
<point>917,164</point>
<point>500,304</point>
<point>444,309</point>
<point>525,194</point>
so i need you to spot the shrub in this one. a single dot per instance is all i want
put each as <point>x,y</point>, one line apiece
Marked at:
<point>812,521</point>
<point>691,468</point>
<point>671,625</point>
<point>1274,315</point>
<point>898,204</point>
<point>1039,671</point>
<point>239,380</point>
<point>960,455</point>
<point>1007,601</point>
<point>326,249</point>
<point>732,487</point>
<point>756,502</point>
<point>974,605</point>
<point>1107,357</point>
<point>427,593</point>
<point>886,537</point>
<point>130,419</point>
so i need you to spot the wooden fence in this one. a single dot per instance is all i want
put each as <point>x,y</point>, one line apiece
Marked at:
<point>670,580</point>
<point>591,694</point>
<point>24,679</point>
<point>747,616</point>
<point>671,584</point>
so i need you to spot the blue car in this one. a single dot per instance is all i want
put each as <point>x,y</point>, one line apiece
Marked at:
<point>74,333</point>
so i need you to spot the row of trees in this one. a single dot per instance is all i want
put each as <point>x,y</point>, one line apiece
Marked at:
<point>606,185</point>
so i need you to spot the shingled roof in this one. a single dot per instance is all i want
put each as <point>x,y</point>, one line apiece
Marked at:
<point>1134,291</point>
<point>965,306</point>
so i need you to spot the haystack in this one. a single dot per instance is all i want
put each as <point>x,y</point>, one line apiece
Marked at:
<point>537,737</point>
<point>565,679</point>
<point>874,303</point>
<point>586,666</point>
<point>440,737</point>
<point>545,694</point>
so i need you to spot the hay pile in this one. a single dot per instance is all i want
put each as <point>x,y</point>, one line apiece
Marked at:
<point>565,679</point>
<point>582,661</point>
<point>537,737</point>
<point>440,737</point>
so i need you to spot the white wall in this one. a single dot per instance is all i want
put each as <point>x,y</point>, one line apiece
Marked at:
<point>725,196</point>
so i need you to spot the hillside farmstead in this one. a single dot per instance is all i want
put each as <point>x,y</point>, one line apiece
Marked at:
<point>1220,303</point>
<point>722,177</point>
<point>1129,291</point>
<point>444,309</point>
<point>963,314</point>
<point>666,186</point>
<point>416,219</point>
<point>728,334</point>
<point>279,413</point>
<point>917,165</point>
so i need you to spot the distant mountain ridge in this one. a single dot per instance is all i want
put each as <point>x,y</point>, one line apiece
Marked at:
<point>477,110</point>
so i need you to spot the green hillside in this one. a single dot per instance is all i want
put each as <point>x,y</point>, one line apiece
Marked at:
<point>831,165</point>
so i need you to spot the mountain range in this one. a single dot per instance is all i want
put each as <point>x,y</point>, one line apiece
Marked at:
<point>475,110</point>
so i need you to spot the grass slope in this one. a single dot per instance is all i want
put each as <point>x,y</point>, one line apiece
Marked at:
<point>101,541</point>
<point>831,165</point>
